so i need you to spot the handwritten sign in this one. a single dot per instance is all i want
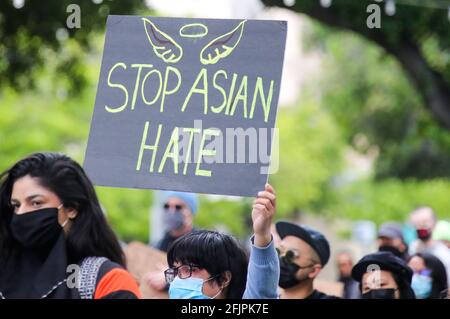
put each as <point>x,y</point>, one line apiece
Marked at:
<point>186,104</point>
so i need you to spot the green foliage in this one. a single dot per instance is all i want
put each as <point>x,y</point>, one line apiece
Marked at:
<point>415,24</point>
<point>310,155</point>
<point>369,95</point>
<point>390,199</point>
<point>127,210</point>
<point>28,33</point>
<point>233,216</point>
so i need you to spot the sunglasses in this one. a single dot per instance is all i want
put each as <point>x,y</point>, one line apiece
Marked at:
<point>289,255</point>
<point>177,207</point>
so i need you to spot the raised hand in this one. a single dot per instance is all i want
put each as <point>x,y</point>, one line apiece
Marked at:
<point>262,215</point>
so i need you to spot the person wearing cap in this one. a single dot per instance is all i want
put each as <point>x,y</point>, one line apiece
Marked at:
<point>303,253</point>
<point>390,238</point>
<point>179,211</point>
<point>382,275</point>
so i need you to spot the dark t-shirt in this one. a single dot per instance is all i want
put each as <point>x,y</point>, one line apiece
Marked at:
<point>165,242</point>
<point>320,295</point>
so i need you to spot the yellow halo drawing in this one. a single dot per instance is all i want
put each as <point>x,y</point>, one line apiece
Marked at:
<point>187,30</point>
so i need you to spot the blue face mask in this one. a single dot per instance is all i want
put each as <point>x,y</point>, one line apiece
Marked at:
<point>189,288</point>
<point>422,285</point>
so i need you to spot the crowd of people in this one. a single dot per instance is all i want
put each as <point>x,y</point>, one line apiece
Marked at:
<point>51,221</point>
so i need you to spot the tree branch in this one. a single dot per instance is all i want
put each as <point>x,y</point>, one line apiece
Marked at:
<point>430,84</point>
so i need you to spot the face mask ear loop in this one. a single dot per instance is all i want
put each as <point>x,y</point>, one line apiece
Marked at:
<point>67,220</point>
<point>218,293</point>
<point>220,290</point>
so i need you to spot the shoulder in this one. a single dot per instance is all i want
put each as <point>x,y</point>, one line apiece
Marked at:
<point>114,282</point>
<point>320,295</point>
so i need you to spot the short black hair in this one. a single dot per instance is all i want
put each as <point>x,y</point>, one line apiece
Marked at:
<point>216,253</point>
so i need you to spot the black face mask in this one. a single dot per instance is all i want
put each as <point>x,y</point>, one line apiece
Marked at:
<point>391,249</point>
<point>379,294</point>
<point>288,273</point>
<point>36,229</point>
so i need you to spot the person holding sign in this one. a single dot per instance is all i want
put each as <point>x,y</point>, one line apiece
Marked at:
<point>55,242</point>
<point>211,265</point>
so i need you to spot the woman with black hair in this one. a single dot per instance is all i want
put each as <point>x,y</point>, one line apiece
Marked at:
<point>54,239</point>
<point>429,278</point>
<point>208,264</point>
<point>382,275</point>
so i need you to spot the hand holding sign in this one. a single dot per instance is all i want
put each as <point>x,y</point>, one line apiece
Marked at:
<point>262,215</point>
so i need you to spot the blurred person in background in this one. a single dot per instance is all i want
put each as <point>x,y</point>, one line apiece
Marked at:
<point>382,275</point>
<point>442,232</point>
<point>424,220</point>
<point>390,238</point>
<point>429,278</point>
<point>344,264</point>
<point>179,211</point>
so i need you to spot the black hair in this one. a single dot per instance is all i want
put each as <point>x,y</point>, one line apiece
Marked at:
<point>438,274</point>
<point>404,286</point>
<point>89,234</point>
<point>216,253</point>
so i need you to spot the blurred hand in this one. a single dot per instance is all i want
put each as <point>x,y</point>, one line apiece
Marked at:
<point>155,280</point>
<point>262,214</point>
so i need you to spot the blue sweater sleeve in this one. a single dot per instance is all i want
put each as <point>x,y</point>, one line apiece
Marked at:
<point>263,273</point>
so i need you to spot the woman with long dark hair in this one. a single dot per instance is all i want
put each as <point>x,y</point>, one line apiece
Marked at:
<point>54,239</point>
<point>429,278</point>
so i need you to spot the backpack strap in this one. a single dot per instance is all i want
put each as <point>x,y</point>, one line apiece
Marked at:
<point>90,267</point>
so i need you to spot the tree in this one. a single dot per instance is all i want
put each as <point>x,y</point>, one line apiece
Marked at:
<point>26,33</point>
<point>377,108</point>
<point>401,36</point>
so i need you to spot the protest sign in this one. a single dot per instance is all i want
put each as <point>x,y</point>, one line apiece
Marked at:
<point>186,104</point>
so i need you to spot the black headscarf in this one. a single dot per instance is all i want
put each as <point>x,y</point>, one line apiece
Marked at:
<point>37,273</point>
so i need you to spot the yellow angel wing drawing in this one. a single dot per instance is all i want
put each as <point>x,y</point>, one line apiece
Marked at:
<point>163,45</point>
<point>222,46</point>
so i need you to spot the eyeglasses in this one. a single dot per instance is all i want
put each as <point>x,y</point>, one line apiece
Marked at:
<point>177,207</point>
<point>183,272</point>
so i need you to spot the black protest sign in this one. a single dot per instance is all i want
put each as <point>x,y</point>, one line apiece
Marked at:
<point>186,104</point>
